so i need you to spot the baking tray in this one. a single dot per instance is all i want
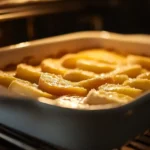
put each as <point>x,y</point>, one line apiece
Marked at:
<point>68,128</point>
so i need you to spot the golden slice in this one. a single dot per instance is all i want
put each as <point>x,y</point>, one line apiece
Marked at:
<point>119,79</point>
<point>130,70</point>
<point>145,75</point>
<point>25,88</point>
<point>102,97</point>
<point>27,72</point>
<point>70,60</point>
<point>53,66</point>
<point>61,101</point>
<point>6,79</point>
<point>103,55</point>
<point>141,60</point>
<point>143,84</point>
<point>76,99</point>
<point>56,85</point>
<point>126,90</point>
<point>95,82</point>
<point>94,66</point>
<point>66,101</point>
<point>69,101</point>
<point>78,75</point>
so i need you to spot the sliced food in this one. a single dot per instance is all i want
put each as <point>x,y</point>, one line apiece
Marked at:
<point>27,72</point>
<point>56,85</point>
<point>6,79</point>
<point>28,89</point>
<point>103,97</point>
<point>143,84</point>
<point>126,90</point>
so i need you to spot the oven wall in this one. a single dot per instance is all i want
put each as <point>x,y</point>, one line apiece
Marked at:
<point>122,16</point>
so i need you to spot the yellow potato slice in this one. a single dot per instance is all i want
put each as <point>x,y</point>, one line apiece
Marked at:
<point>131,70</point>
<point>141,60</point>
<point>69,101</point>
<point>70,60</point>
<point>78,75</point>
<point>94,66</point>
<point>126,90</point>
<point>102,97</point>
<point>53,66</point>
<point>6,79</point>
<point>76,99</point>
<point>119,79</point>
<point>103,55</point>
<point>56,85</point>
<point>145,75</point>
<point>143,84</point>
<point>27,72</point>
<point>95,82</point>
<point>25,88</point>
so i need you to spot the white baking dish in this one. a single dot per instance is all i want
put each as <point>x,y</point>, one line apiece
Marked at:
<point>68,128</point>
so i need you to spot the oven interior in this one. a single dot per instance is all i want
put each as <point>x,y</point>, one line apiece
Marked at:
<point>20,22</point>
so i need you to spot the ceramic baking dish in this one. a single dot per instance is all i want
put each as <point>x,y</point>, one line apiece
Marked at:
<point>69,128</point>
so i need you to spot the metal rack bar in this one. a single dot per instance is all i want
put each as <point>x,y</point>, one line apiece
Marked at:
<point>36,9</point>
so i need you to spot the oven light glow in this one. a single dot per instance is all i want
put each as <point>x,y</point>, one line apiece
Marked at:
<point>24,44</point>
<point>105,34</point>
